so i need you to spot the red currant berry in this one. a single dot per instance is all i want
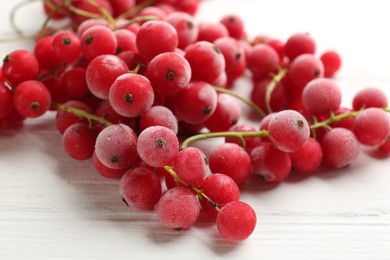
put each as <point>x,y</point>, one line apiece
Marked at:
<point>19,66</point>
<point>32,98</point>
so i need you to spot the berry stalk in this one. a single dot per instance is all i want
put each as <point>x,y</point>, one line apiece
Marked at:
<point>272,85</point>
<point>246,101</point>
<point>197,191</point>
<point>239,135</point>
<point>81,113</point>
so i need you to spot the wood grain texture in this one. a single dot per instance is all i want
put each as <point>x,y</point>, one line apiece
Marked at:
<point>52,207</point>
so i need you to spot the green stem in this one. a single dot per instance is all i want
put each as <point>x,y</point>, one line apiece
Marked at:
<point>197,191</point>
<point>239,135</point>
<point>54,10</point>
<point>271,87</point>
<point>333,119</point>
<point>14,10</point>
<point>136,9</point>
<point>107,16</point>
<point>81,113</point>
<point>246,101</point>
<point>140,19</point>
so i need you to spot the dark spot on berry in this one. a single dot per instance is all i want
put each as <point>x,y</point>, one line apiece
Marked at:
<point>115,159</point>
<point>177,228</point>
<point>35,106</point>
<point>128,98</point>
<point>234,121</point>
<point>7,58</point>
<point>66,41</point>
<point>238,55</point>
<point>161,142</point>
<point>119,50</point>
<point>76,131</point>
<point>300,123</point>
<point>190,24</point>
<point>207,110</point>
<point>88,39</point>
<point>216,49</point>
<point>317,73</point>
<point>206,161</point>
<point>231,19</point>
<point>170,75</point>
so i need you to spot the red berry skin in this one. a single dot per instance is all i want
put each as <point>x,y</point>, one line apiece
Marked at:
<point>44,53</point>
<point>332,63</point>
<point>169,73</point>
<point>234,25</point>
<point>232,160</point>
<point>288,130</point>
<point>186,27</point>
<point>270,163</point>
<point>96,41</point>
<point>6,101</point>
<point>158,115</point>
<point>307,159</point>
<point>262,60</point>
<point>385,147</point>
<point>321,96</point>
<point>131,95</point>
<point>157,146</point>
<point>227,114</point>
<point>178,208</point>
<point>196,103</point>
<point>211,31</point>
<point>140,188</point>
<point>372,126</point>
<point>106,171</point>
<point>221,189</point>
<point>236,221</point>
<point>234,55</point>
<point>79,141</point>
<point>19,66</point>
<point>340,147</point>
<point>121,6</point>
<point>369,97</point>
<point>102,72</point>
<point>299,43</point>
<point>31,98</point>
<point>74,84</point>
<point>201,53</point>
<point>116,146</point>
<point>152,32</point>
<point>66,47</point>
<point>190,165</point>
<point>305,68</point>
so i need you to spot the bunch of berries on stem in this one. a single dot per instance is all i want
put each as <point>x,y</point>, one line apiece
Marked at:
<point>128,80</point>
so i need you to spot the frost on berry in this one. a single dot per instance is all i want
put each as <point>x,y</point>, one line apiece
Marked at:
<point>232,160</point>
<point>116,146</point>
<point>288,130</point>
<point>178,208</point>
<point>157,146</point>
<point>340,147</point>
<point>141,188</point>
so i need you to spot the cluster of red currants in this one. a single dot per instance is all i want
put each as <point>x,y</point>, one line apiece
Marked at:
<point>127,78</point>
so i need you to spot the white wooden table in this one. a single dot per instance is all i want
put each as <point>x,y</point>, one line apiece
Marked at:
<point>52,207</point>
